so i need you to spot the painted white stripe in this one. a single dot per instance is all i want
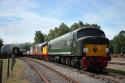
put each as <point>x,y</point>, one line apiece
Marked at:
<point>59,53</point>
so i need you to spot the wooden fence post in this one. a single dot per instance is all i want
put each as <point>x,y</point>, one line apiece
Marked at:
<point>8,67</point>
<point>1,68</point>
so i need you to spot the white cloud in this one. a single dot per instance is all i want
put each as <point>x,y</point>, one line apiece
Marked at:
<point>108,14</point>
<point>26,30</point>
<point>19,31</point>
<point>23,21</point>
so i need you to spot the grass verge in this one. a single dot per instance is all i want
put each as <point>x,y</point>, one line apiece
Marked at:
<point>16,74</point>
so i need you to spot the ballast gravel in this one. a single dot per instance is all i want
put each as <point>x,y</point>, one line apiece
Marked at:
<point>73,73</point>
<point>30,74</point>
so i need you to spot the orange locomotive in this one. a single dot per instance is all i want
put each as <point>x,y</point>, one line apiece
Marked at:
<point>39,50</point>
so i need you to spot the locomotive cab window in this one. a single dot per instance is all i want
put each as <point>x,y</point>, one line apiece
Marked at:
<point>90,32</point>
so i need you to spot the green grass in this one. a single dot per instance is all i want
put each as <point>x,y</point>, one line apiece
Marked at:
<point>15,75</point>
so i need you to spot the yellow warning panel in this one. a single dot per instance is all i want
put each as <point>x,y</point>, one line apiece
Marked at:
<point>96,50</point>
<point>45,50</point>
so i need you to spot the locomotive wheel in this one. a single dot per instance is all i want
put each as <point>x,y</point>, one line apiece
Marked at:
<point>62,60</point>
<point>67,61</point>
<point>55,59</point>
<point>72,63</point>
<point>51,58</point>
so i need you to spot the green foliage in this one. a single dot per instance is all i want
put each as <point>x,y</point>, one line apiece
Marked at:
<point>95,26</point>
<point>118,42</point>
<point>80,25</point>
<point>51,34</point>
<point>39,37</point>
<point>63,29</point>
<point>74,26</point>
<point>57,31</point>
<point>45,37</point>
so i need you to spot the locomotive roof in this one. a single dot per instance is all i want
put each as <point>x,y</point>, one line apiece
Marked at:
<point>40,44</point>
<point>86,28</point>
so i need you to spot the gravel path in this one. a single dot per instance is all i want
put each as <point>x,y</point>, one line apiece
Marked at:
<point>30,74</point>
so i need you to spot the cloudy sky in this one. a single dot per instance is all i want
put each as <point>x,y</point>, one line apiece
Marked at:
<point>19,19</point>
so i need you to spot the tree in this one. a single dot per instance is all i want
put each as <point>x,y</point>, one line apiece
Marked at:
<point>57,31</point>
<point>111,46</point>
<point>63,29</point>
<point>95,26</point>
<point>46,37</point>
<point>119,42</point>
<point>77,25</point>
<point>80,24</point>
<point>51,34</point>
<point>74,26</point>
<point>39,37</point>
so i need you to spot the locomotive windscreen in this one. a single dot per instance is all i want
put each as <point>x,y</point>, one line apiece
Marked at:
<point>90,32</point>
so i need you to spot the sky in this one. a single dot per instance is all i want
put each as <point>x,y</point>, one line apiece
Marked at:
<point>19,19</point>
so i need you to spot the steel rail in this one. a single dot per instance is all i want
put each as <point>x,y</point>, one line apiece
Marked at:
<point>111,77</point>
<point>37,70</point>
<point>116,63</point>
<point>102,77</point>
<point>59,73</point>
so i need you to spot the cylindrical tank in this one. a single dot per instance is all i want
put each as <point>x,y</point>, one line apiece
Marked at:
<point>8,49</point>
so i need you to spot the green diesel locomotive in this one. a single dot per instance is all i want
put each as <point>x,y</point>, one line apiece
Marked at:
<point>84,47</point>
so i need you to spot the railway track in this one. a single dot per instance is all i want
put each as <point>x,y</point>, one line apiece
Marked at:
<point>43,78</point>
<point>47,74</point>
<point>107,77</point>
<point>116,63</point>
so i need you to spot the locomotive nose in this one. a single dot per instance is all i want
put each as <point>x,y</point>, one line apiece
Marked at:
<point>94,46</point>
